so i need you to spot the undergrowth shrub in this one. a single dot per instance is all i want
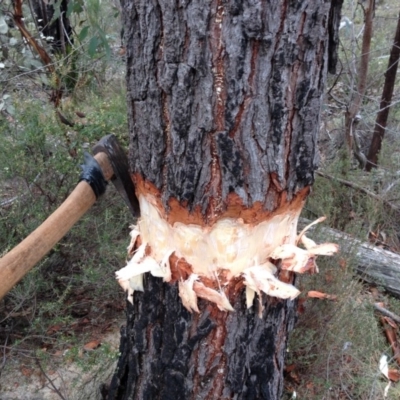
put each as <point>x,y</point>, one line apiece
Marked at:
<point>39,170</point>
<point>336,346</point>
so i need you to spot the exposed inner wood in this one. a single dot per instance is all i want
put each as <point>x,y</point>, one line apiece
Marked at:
<point>207,261</point>
<point>229,243</point>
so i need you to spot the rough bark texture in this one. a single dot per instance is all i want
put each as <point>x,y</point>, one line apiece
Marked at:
<point>223,101</point>
<point>168,353</point>
<point>334,21</point>
<point>219,92</point>
<point>384,108</point>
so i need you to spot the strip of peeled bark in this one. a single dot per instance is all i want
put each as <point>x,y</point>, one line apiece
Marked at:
<point>224,100</point>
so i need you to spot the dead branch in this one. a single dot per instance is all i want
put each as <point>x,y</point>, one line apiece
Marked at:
<point>386,312</point>
<point>360,189</point>
<point>46,59</point>
<point>50,381</point>
<point>391,336</point>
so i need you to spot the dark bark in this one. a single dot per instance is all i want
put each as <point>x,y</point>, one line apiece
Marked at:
<point>223,101</point>
<point>59,30</point>
<point>168,353</point>
<point>334,22</point>
<point>384,108</point>
<point>269,63</point>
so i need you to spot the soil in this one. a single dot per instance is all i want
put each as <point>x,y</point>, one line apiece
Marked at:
<point>23,379</point>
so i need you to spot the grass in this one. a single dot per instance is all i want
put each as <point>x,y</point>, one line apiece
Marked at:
<point>71,296</point>
<point>336,345</point>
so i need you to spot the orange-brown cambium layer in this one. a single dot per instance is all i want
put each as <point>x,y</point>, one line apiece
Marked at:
<point>204,259</point>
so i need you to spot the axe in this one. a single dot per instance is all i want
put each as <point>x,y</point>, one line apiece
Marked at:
<point>109,163</point>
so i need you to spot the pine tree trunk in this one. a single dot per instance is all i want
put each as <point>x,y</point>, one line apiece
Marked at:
<point>224,100</point>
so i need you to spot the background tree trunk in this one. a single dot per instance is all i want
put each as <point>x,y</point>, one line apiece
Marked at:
<point>223,100</point>
<point>59,29</point>
<point>358,91</point>
<point>384,108</point>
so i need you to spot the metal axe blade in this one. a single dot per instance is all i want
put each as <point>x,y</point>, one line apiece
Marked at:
<point>122,179</point>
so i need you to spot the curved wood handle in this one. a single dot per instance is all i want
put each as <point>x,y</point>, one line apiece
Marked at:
<point>22,258</point>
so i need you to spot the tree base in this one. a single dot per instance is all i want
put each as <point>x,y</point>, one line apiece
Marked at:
<point>168,353</point>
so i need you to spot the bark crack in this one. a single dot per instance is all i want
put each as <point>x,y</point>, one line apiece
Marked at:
<point>217,60</point>
<point>291,95</point>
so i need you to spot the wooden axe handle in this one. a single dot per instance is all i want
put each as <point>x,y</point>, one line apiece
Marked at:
<point>22,258</point>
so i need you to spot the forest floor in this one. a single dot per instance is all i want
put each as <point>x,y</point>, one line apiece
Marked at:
<point>59,377</point>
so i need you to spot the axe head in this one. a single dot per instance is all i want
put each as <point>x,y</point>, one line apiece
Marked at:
<point>122,179</point>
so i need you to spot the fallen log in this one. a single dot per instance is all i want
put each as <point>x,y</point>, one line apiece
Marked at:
<point>373,264</point>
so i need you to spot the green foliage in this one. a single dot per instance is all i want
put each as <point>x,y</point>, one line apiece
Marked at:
<point>76,279</point>
<point>6,104</point>
<point>88,50</point>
